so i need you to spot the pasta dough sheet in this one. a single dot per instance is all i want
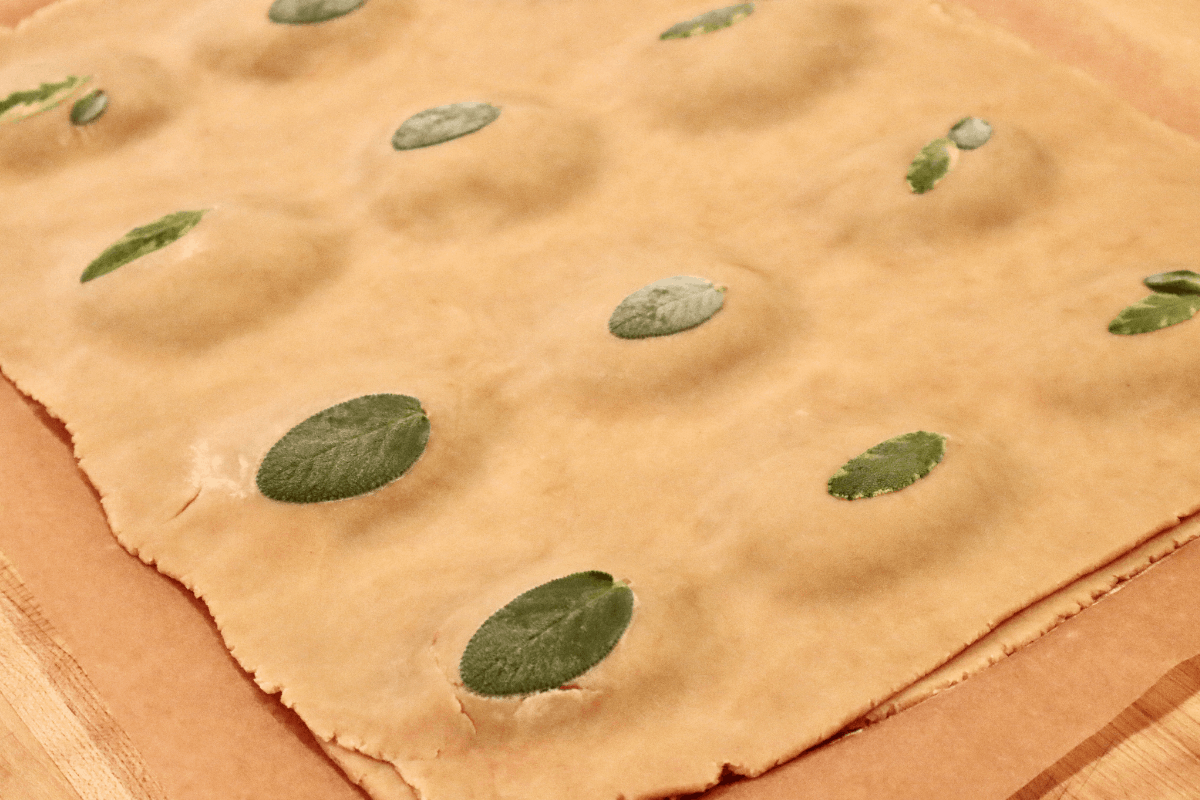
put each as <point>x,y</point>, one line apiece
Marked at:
<point>478,276</point>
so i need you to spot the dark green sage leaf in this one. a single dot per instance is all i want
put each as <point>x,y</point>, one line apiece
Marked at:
<point>305,12</point>
<point>548,636</point>
<point>443,123</point>
<point>666,306</point>
<point>708,22</point>
<point>1155,312</point>
<point>20,105</point>
<point>1181,281</point>
<point>930,165</point>
<point>889,466</point>
<point>346,450</point>
<point>88,108</point>
<point>970,133</point>
<point>141,241</point>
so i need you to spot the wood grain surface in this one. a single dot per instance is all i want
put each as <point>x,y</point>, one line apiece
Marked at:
<point>1151,750</point>
<point>57,739</point>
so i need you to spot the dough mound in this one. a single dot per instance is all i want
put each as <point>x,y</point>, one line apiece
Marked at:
<point>854,549</point>
<point>745,79</point>
<point>987,191</point>
<point>533,160</point>
<point>605,374</point>
<point>236,38</point>
<point>237,270</point>
<point>142,95</point>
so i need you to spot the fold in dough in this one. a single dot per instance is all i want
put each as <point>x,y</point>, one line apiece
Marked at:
<point>478,276</point>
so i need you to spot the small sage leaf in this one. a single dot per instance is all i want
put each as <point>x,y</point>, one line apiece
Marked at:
<point>708,22</point>
<point>1181,281</point>
<point>547,636</point>
<point>889,466</point>
<point>21,105</point>
<point>1157,311</point>
<point>305,12</point>
<point>666,306</point>
<point>970,133</point>
<point>88,108</point>
<point>930,165</point>
<point>443,123</point>
<point>141,241</point>
<point>346,450</point>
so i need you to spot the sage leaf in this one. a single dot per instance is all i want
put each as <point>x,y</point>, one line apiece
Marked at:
<point>889,466</point>
<point>1181,281</point>
<point>21,105</point>
<point>141,241</point>
<point>306,12</point>
<point>708,22</point>
<point>666,306</point>
<point>930,165</point>
<point>443,123</point>
<point>547,636</point>
<point>88,108</point>
<point>1155,312</point>
<point>346,450</point>
<point>970,133</point>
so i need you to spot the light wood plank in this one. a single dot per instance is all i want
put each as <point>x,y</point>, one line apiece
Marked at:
<point>1150,750</point>
<point>57,739</point>
<point>26,769</point>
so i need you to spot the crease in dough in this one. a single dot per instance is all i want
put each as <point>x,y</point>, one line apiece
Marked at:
<point>451,683</point>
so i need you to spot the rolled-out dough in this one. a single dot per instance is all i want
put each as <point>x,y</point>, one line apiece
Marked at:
<point>479,275</point>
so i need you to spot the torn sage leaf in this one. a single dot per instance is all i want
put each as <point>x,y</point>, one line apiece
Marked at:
<point>443,123</point>
<point>970,133</point>
<point>889,466</point>
<point>21,105</point>
<point>306,12</point>
<point>1181,281</point>
<point>666,306</point>
<point>346,450</point>
<point>1159,310</point>
<point>930,165</point>
<point>708,22</point>
<point>547,636</point>
<point>88,108</point>
<point>141,241</point>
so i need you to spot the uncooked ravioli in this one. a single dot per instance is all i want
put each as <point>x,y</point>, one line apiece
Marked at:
<point>370,406</point>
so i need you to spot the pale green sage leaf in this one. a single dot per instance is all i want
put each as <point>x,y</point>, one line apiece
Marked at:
<point>306,12</point>
<point>666,306</point>
<point>1181,281</point>
<point>443,123</point>
<point>889,466</point>
<point>346,450</point>
<point>88,108</point>
<point>21,105</point>
<point>141,241</point>
<point>547,636</point>
<point>970,133</point>
<point>708,22</point>
<point>1155,312</point>
<point>930,165</point>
